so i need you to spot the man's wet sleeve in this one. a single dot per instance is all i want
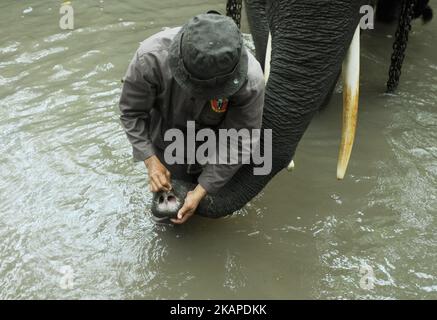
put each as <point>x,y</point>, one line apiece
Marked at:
<point>244,113</point>
<point>136,101</point>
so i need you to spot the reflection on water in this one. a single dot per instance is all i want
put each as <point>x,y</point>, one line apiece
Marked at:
<point>74,206</point>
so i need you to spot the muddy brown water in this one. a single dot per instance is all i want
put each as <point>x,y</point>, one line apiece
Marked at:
<point>73,206</point>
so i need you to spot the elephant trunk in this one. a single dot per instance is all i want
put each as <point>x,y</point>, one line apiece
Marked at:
<point>309,42</point>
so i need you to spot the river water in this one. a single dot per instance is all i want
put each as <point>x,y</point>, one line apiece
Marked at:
<point>74,207</point>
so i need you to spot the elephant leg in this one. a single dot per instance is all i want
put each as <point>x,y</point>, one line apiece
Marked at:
<point>256,15</point>
<point>388,10</point>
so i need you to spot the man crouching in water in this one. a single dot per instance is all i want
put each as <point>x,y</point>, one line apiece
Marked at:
<point>199,72</point>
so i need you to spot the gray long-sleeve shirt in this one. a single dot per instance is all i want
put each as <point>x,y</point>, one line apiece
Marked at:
<point>152,102</point>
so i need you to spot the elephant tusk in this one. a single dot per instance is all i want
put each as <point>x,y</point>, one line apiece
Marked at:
<point>268,58</point>
<point>351,86</point>
<point>290,166</point>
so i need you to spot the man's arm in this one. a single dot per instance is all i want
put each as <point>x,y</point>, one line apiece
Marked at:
<point>136,102</point>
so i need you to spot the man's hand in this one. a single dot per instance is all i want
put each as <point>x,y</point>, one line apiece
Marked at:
<point>159,176</point>
<point>190,205</point>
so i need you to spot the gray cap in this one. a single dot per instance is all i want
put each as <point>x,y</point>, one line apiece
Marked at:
<point>207,57</point>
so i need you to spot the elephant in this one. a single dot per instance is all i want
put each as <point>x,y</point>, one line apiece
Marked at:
<point>309,40</point>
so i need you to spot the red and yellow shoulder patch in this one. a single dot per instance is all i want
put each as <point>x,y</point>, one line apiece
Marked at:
<point>219,105</point>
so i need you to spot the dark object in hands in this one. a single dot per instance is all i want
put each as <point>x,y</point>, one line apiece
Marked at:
<point>167,204</point>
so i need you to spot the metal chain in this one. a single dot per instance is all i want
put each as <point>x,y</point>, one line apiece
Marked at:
<point>400,44</point>
<point>233,10</point>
